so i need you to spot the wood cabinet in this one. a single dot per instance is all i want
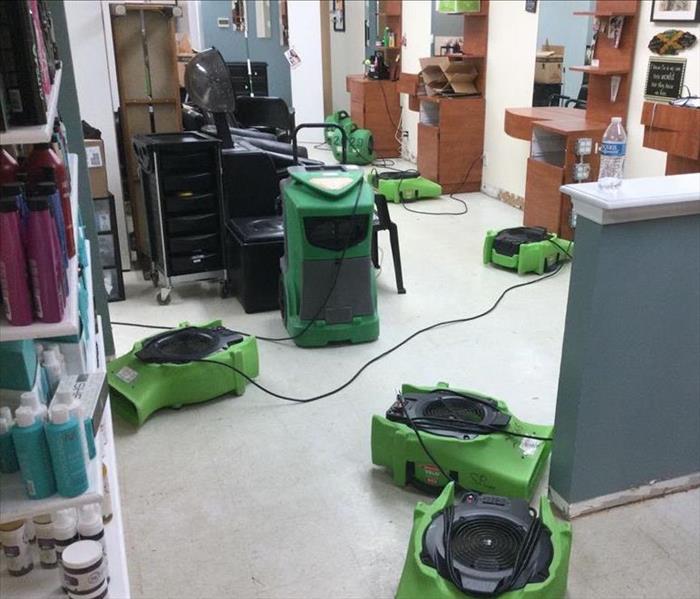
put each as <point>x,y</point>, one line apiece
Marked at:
<point>374,105</point>
<point>675,130</point>
<point>451,141</point>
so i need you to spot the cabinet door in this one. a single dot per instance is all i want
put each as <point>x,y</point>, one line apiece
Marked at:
<point>429,151</point>
<point>543,200</point>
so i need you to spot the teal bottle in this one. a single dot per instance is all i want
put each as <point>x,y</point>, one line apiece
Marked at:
<point>65,447</point>
<point>90,437</point>
<point>8,457</point>
<point>33,454</point>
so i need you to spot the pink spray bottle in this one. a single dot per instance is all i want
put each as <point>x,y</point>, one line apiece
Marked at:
<point>45,264</point>
<point>16,297</point>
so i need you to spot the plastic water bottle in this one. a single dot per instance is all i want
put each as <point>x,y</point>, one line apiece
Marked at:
<point>612,155</point>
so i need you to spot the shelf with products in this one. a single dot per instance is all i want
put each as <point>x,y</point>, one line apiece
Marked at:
<point>44,584</point>
<point>34,134</point>
<point>70,323</point>
<point>15,505</point>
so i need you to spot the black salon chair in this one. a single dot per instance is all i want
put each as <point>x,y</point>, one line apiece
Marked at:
<point>266,114</point>
<point>567,101</point>
<point>383,222</point>
<point>254,227</point>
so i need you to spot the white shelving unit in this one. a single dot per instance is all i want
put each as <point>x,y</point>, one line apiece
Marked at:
<point>69,325</point>
<point>36,134</point>
<point>14,504</point>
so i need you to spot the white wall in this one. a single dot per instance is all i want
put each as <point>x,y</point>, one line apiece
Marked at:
<point>347,52</point>
<point>509,78</point>
<point>415,22</point>
<point>641,161</point>
<point>307,78</point>
<point>92,79</point>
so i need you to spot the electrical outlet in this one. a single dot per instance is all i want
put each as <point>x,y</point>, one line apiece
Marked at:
<point>222,22</point>
<point>404,134</point>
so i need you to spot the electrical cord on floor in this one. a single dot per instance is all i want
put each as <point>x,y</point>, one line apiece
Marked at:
<point>385,353</point>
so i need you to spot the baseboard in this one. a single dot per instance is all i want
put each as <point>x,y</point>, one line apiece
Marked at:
<point>512,199</point>
<point>604,502</point>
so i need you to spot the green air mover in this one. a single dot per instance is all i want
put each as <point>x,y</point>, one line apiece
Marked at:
<point>360,141</point>
<point>167,370</point>
<point>402,186</point>
<point>471,545</point>
<point>472,437</point>
<point>328,291</point>
<point>526,249</point>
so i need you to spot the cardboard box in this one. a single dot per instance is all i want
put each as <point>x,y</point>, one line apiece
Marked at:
<point>549,64</point>
<point>446,75</point>
<point>97,167</point>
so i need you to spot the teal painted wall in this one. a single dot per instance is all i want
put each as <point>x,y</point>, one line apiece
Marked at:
<point>232,44</point>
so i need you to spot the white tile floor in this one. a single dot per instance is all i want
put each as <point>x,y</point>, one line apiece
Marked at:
<point>252,497</point>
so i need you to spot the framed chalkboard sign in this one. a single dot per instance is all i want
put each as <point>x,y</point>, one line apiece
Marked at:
<point>665,77</point>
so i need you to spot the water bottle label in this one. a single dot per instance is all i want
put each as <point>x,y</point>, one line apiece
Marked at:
<point>614,149</point>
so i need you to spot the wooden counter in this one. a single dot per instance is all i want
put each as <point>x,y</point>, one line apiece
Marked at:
<point>567,121</point>
<point>547,170</point>
<point>374,105</point>
<point>675,130</point>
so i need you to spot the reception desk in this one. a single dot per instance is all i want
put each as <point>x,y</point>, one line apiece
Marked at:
<point>627,416</point>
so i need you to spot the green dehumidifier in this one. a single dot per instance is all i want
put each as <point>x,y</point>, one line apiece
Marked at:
<point>360,142</point>
<point>403,186</point>
<point>526,249</point>
<point>169,369</point>
<point>470,545</point>
<point>473,438</point>
<point>328,291</point>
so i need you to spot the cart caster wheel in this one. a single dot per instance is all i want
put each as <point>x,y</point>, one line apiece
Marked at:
<point>163,297</point>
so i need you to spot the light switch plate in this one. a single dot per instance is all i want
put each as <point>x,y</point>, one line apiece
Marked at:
<point>584,146</point>
<point>222,22</point>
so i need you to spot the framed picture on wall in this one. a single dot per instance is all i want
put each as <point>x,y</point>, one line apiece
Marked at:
<point>531,5</point>
<point>338,12</point>
<point>675,10</point>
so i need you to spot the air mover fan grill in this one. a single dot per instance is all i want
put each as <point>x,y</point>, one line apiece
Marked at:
<point>508,241</point>
<point>455,408</point>
<point>183,345</point>
<point>489,544</point>
<point>470,545</point>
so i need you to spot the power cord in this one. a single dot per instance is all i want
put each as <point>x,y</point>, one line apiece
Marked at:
<point>378,357</point>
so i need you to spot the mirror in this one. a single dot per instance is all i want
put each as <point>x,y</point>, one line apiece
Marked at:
<point>563,41</point>
<point>263,25</point>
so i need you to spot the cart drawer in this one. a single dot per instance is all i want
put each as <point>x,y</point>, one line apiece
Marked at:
<point>182,265</point>
<point>193,224</point>
<point>197,161</point>
<point>195,183</point>
<point>190,202</point>
<point>194,244</point>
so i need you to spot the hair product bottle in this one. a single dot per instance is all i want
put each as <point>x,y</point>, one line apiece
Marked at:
<point>14,279</point>
<point>91,527</point>
<point>87,437</point>
<point>8,457</point>
<point>49,176</point>
<point>63,436</point>
<point>65,532</point>
<point>44,259</point>
<point>33,454</point>
<point>85,570</point>
<point>43,156</point>
<point>45,543</point>
<point>106,497</point>
<point>31,400</point>
<point>15,545</point>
